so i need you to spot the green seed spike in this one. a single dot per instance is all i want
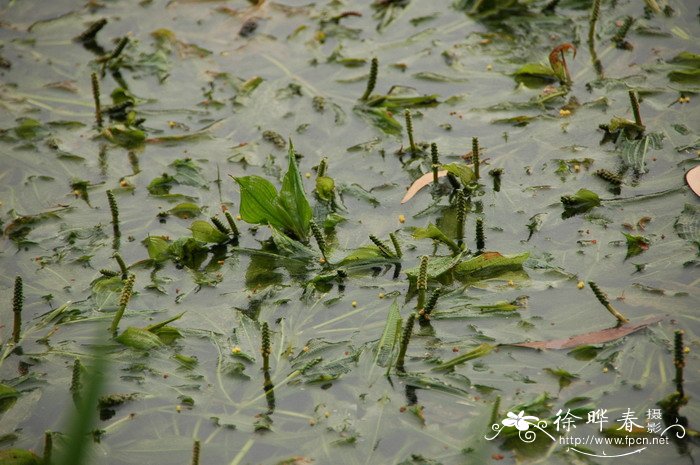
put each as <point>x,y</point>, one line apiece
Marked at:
<point>480,238</point>
<point>603,299</point>
<point>422,282</point>
<point>461,213</point>
<point>609,176</point>
<point>48,447</point>
<point>17,304</point>
<point>76,383</point>
<point>595,13</point>
<point>269,390</point>
<point>89,34</point>
<point>118,49</point>
<point>232,224</point>
<point>475,156</point>
<point>397,245</point>
<point>435,161</point>
<point>619,38</point>
<point>320,240</point>
<point>220,225</point>
<point>496,173</point>
<point>409,131</point>
<point>635,108</point>
<point>96,98</point>
<point>123,302</point>
<point>454,182</point>
<point>134,162</point>
<point>405,338</point>
<point>679,361</point>
<point>266,350</point>
<point>122,266</point>
<point>108,273</point>
<point>322,167</point>
<point>372,81</point>
<point>424,314</point>
<point>383,248</point>
<point>195,452</point>
<point>114,208</point>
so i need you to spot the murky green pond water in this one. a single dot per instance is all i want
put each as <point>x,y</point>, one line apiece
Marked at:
<point>194,93</point>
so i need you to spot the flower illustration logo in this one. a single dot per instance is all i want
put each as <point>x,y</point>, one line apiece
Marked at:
<point>521,421</point>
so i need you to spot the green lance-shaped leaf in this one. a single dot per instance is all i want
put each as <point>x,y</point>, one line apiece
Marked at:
<point>293,198</point>
<point>479,351</point>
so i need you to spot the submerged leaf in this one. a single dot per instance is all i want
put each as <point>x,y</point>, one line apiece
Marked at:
<point>206,232</point>
<point>489,265</point>
<point>595,337</point>
<point>479,351</point>
<point>139,338</point>
<point>687,224</point>
<point>635,244</point>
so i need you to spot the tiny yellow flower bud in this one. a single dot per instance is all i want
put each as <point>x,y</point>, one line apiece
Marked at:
<point>402,219</point>
<point>581,285</point>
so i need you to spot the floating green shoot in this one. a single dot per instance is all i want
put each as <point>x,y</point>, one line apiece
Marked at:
<point>96,98</point>
<point>405,338</point>
<point>603,299</point>
<point>266,349</point>
<point>372,80</point>
<point>17,304</point>
<point>409,130</point>
<point>114,209</point>
<point>123,302</point>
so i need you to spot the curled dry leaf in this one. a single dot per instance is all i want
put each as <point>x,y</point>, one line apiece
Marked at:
<point>420,183</point>
<point>596,337</point>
